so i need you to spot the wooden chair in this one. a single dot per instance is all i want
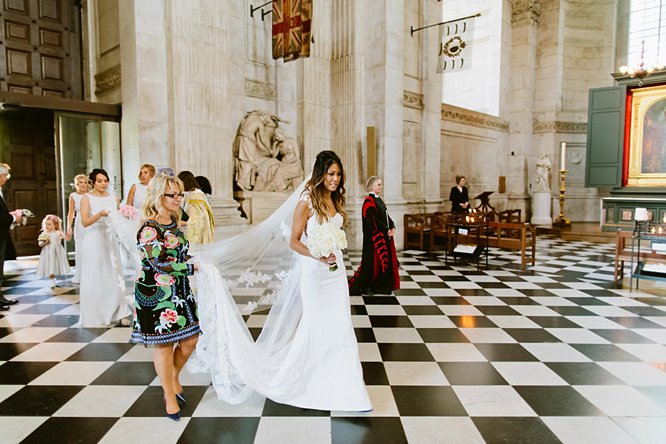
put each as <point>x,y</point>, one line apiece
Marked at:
<point>439,239</point>
<point>417,229</point>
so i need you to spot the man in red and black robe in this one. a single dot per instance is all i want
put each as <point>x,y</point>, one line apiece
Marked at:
<point>378,271</point>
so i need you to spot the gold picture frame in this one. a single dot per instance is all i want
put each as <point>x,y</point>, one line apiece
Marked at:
<point>647,144</point>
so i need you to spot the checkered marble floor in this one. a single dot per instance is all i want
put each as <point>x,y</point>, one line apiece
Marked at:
<point>459,355</point>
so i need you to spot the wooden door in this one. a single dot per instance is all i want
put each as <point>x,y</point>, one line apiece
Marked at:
<point>27,145</point>
<point>41,49</point>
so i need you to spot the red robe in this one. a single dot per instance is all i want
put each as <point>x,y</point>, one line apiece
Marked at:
<point>378,271</point>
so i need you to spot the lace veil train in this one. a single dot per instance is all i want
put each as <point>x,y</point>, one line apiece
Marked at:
<point>252,272</point>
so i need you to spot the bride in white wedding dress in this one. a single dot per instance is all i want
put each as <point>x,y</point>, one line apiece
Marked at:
<point>306,354</point>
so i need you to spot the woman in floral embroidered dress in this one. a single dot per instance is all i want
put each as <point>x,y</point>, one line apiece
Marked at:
<point>165,311</point>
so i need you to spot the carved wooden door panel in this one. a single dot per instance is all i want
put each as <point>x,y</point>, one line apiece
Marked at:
<point>41,52</point>
<point>27,145</point>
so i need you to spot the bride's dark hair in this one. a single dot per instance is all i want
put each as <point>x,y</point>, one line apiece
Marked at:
<point>315,186</point>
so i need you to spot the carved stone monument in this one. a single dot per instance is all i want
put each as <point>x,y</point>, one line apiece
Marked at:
<point>541,202</point>
<point>267,165</point>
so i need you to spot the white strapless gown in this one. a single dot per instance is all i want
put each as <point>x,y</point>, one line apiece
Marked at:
<point>324,355</point>
<point>317,365</point>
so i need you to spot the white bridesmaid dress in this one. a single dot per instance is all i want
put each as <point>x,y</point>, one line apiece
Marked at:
<point>79,235</point>
<point>101,298</point>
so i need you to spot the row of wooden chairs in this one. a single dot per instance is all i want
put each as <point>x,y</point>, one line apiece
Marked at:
<point>427,231</point>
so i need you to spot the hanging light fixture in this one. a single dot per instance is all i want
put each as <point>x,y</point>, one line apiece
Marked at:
<point>642,70</point>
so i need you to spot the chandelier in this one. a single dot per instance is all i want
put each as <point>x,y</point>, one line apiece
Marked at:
<point>642,70</point>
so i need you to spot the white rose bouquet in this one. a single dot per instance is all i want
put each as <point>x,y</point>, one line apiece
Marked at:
<point>324,240</point>
<point>22,216</point>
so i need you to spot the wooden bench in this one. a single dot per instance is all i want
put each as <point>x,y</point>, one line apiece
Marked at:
<point>623,254</point>
<point>513,236</point>
<point>417,229</point>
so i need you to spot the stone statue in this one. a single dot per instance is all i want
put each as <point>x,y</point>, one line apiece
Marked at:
<point>253,143</point>
<point>264,159</point>
<point>543,166</point>
<point>283,172</point>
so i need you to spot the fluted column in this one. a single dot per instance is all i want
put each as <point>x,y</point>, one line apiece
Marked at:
<point>432,104</point>
<point>203,69</point>
<point>145,93</point>
<point>520,109</point>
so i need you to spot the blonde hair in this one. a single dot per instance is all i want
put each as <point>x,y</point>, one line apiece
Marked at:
<point>57,222</point>
<point>4,168</point>
<point>159,185</point>
<point>84,177</point>
<point>371,181</point>
<point>150,168</point>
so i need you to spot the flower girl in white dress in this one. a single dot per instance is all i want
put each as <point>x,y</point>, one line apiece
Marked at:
<point>53,258</point>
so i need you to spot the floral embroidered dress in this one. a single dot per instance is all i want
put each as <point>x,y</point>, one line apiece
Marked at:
<point>164,307</point>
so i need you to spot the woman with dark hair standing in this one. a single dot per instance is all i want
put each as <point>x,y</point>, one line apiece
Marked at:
<point>204,185</point>
<point>101,297</point>
<point>458,196</point>
<point>378,270</point>
<point>200,224</point>
<point>324,350</point>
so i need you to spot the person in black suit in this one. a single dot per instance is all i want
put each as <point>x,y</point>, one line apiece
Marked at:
<point>7,250</point>
<point>458,196</point>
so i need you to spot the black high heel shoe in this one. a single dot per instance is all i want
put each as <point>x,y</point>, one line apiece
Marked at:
<point>180,398</point>
<point>172,416</point>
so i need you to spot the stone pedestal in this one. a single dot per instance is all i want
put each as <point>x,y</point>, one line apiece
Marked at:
<point>541,209</point>
<point>226,212</point>
<point>257,206</point>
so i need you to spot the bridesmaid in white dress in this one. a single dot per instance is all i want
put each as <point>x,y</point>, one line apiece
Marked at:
<point>74,216</point>
<point>137,192</point>
<point>324,354</point>
<point>101,298</point>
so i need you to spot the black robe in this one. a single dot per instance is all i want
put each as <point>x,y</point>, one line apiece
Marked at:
<point>378,270</point>
<point>7,250</point>
<point>457,197</point>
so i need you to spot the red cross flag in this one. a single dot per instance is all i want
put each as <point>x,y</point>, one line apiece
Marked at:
<point>292,20</point>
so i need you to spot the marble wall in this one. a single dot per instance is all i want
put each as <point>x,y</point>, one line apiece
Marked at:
<point>186,72</point>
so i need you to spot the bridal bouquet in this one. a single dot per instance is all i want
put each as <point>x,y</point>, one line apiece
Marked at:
<point>325,239</point>
<point>128,212</point>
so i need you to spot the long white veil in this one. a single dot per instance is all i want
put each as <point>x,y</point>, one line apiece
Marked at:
<point>252,272</point>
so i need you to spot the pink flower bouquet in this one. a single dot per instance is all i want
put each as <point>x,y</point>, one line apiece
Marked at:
<point>128,212</point>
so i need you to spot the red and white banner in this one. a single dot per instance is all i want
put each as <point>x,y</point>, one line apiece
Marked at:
<point>292,21</point>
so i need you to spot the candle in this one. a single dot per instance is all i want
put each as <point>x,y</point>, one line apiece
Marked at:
<point>563,153</point>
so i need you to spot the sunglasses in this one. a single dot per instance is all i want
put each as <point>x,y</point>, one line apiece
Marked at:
<point>174,196</point>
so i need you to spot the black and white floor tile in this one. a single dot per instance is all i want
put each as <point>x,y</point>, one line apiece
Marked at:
<point>458,355</point>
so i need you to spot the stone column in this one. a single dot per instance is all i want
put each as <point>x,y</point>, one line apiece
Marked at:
<point>520,108</point>
<point>314,89</point>
<point>145,92</point>
<point>432,104</point>
<point>204,66</point>
<point>347,101</point>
